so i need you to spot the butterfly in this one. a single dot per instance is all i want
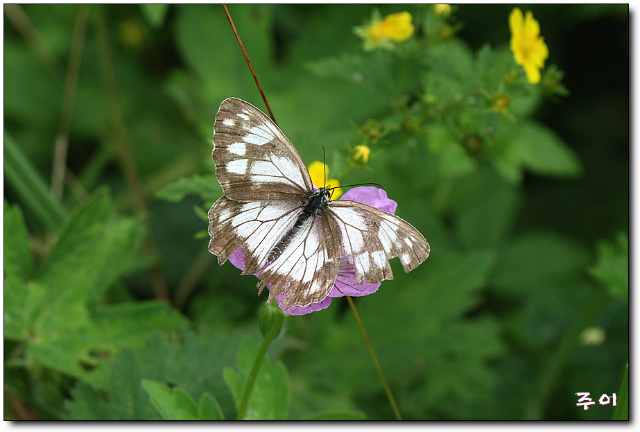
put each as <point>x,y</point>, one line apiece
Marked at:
<point>293,235</point>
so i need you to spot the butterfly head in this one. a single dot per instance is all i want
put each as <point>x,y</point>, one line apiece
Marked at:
<point>317,201</point>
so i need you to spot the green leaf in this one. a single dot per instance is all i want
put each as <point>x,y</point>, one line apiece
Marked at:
<point>206,187</point>
<point>198,25</point>
<point>484,207</point>
<point>536,260</point>
<point>350,67</point>
<point>543,152</point>
<point>193,365</point>
<point>130,323</point>
<point>171,403</point>
<point>452,159</point>
<point>155,13</point>
<point>18,261</point>
<point>612,267</point>
<point>209,409</point>
<point>622,409</point>
<point>270,397</point>
<point>94,249</point>
<point>56,314</point>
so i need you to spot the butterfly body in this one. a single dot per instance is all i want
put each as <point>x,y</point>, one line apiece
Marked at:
<point>312,206</point>
<point>295,237</point>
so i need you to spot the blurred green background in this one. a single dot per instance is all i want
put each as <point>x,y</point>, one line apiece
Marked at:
<point>108,117</point>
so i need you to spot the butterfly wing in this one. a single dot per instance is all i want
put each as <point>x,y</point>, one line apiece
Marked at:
<point>370,237</point>
<point>253,158</point>
<point>256,226</point>
<point>307,269</point>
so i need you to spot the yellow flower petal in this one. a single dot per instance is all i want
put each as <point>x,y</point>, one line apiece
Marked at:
<point>398,26</point>
<point>318,172</point>
<point>442,9</point>
<point>527,46</point>
<point>362,153</point>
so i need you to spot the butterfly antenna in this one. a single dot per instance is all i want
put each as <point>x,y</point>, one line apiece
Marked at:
<point>364,184</point>
<point>324,165</point>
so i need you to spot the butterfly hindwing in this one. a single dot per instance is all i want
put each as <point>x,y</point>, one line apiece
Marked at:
<point>254,159</point>
<point>307,269</point>
<point>370,237</point>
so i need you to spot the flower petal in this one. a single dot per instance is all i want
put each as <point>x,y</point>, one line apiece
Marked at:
<point>372,196</point>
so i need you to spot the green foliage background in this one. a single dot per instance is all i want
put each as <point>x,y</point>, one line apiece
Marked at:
<point>114,308</point>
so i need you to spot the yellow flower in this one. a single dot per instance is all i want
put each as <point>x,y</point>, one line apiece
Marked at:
<point>398,26</point>
<point>319,173</point>
<point>361,154</point>
<point>442,9</point>
<point>381,33</point>
<point>527,46</point>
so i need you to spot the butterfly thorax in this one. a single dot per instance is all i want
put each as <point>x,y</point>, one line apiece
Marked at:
<point>316,202</point>
<point>313,205</point>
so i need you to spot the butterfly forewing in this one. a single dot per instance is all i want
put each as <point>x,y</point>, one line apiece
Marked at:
<point>253,158</point>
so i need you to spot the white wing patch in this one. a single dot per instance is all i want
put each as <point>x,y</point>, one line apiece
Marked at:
<point>259,135</point>
<point>237,148</point>
<point>238,166</point>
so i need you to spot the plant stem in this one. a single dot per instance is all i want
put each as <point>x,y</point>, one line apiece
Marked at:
<point>392,401</point>
<point>251,380</point>
<point>30,186</point>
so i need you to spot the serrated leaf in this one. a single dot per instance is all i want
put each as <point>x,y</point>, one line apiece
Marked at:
<point>96,245</point>
<point>22,302</point>
<point>612,267</point>
<point>270,396</point>
<point>194,365</point>
<point>207,187</point>
<point>18,262</point>
<point>171,403</point>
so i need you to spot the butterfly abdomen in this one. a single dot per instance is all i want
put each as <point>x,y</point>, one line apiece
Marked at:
<point>312,206</point>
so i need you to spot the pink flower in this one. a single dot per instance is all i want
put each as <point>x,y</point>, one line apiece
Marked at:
<point>345,284</point>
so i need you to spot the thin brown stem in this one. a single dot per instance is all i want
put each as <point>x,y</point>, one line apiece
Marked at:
<point>246,57</point>
<point>191,278</point>
<point>392,401</point>
<point>25,27</point>
<point>124,151</point>
<point>68,99</point>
